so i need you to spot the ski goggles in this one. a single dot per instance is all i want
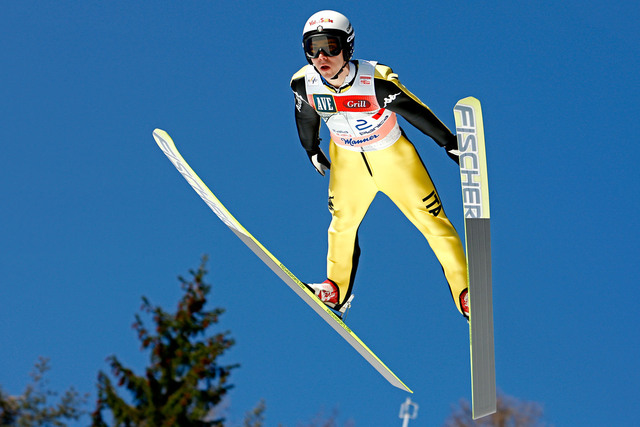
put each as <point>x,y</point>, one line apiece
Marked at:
<point>327,44</point>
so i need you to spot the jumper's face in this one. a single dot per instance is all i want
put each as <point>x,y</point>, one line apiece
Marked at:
<point>325,53</point>
<point>328,66</point>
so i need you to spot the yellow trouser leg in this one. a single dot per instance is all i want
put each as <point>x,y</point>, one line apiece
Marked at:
<point>351,191</point>
<point>399,173</point>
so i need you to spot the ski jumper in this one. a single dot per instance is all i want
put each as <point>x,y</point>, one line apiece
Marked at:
<point>369,153</point>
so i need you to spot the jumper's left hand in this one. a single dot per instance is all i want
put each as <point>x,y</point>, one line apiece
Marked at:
<point>452,150</point>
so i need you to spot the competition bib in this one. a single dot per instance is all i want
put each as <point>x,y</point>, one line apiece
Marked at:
<point>355,119</point>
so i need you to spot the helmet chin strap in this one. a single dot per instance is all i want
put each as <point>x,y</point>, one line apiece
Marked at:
<point>337,74</point>
<point>339,71</point>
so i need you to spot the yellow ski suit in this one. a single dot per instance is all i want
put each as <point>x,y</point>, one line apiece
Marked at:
<point>370,153</point>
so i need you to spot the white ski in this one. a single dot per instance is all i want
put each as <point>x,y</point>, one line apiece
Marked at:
<point>168,147</point>
<point>475,195</point>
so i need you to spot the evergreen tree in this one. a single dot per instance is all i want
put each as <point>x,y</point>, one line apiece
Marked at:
<point>510,412</point>
<point>184,382</point>
<point>255,417</point>
<point>33,407</point>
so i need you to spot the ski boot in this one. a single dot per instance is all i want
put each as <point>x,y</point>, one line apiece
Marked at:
<point>327,292</point>
<point>464,303</point>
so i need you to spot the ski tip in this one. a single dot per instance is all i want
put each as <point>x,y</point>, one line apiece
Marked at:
<point>469,100</point>
<point>162,137</point>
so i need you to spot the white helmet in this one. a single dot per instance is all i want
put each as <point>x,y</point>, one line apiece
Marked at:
<point>328,23</point>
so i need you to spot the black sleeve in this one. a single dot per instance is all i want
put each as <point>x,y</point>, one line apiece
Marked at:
<point>393,95</point>
<point>307,120</point>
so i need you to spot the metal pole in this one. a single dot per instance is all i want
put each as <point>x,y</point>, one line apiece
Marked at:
<point>406,413</point>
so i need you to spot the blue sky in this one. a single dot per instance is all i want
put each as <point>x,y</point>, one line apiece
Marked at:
<point>94,216</point>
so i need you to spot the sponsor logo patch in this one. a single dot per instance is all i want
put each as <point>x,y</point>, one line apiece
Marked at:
<point>389,99</point>
<point>365,80</point>
<point>355,141</point>
<point>356,104</point>
<point>324,103</point>
<point>321,21</point>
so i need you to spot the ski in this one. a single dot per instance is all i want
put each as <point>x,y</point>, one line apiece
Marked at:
<point>168,147</point>
<point>475,196</point>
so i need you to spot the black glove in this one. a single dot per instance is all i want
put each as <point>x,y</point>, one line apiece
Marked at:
<point>452,149</point>
<point>319,161</point>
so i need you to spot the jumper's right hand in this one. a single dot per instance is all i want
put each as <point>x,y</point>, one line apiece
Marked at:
<point>320,162</point>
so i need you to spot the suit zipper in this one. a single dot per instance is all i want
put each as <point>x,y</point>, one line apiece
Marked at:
<point>366,163</point>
